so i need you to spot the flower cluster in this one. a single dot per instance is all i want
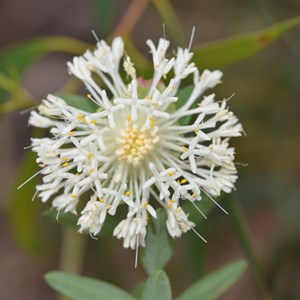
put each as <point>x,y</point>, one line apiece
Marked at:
<point>140,146</point>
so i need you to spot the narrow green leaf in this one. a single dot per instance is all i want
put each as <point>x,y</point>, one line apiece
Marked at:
<point>213,285</point>
<point>20,56</point>
<point>84,288</point>
<point>159,244</point>
<point>157,287</point>
<point>183,95</point>
<point>78,102</point>
<point>206,205</point>
<point>229,51</point>
<point>103,12</point>
<point>62,218</point>
<point>168,14</point>
<point>23,214</point>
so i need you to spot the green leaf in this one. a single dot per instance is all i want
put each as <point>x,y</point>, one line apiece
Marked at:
<point>157,287</point>
<point>183,94</point>
<point>139,289</point>
<point>168,15</point>
<point>206,205</point>
<point>19,57</point>
<point>213,285</point>
<point>229,51</point>
<point>70,219</point>
<point>62,218</point>
<point>84,288</point>
<point>78,102</point>
<point>104,12</point>
<point>159,244</point>
<point>23,214</point>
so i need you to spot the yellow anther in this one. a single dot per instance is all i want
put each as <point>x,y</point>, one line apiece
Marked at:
<point>81,117</point>
<point>185,149</point>
<point>73,196</point>
<point>89,96</point>
<point>184,181</point>
<point>178,210</point>
<point>90,156</point>
<point>172,201</point>
<point>194,195</point>
<point>72,133</point>
<point>135,142</point>
<point>65,158</point>
<point>148,98</point>
<point>91,170</point>
<point>154,104</point>
<point>42,165</point>
<point>152,118</point>
<point>93,121</point>
<point>128,193</point>
<point>171,173</point>
<point>145,204</point>
<point>101,200</point>
<point>169,205</point>
<point>129,118</point>
<point>196,130</point>
<point>65,164</point>
<point>97,206</point>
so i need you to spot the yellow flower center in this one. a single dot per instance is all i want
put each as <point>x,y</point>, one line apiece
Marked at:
<point>135,142</point>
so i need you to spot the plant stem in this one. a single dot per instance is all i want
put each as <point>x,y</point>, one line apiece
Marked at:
<point>131,17</point>
<point>240,224</point>
<point>72,251</point>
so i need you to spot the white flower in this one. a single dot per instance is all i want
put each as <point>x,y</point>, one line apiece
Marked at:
<point>134,149</point>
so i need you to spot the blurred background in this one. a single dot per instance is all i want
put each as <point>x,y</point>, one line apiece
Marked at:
<point>267,95</point>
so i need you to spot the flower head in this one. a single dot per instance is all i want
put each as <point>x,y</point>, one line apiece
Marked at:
<point>140,146</point>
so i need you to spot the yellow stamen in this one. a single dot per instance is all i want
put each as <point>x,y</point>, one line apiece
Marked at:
<point>129,118</point>
<point>93,121</point>
<point>73,196</point>
<point>65,164</point>
<point>148,98</point>
<point>81,117</point>
<point>171,173</point>
<point>183,181</point>
<point>101,200</point>
<point>91,170</point>
<point>72,133</point>
<point>185,149</point>
<point>128,193</point>
<point>178,210</point>
<point>145,204</point>
<point>172,201</point>
<point>65,158</point>
<point>90,156</point>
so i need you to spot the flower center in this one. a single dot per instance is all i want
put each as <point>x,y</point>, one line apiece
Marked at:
<point>136,142</point>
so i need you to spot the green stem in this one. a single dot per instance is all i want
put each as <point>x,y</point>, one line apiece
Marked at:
<point>72,252</point>
<point>240,224</point>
